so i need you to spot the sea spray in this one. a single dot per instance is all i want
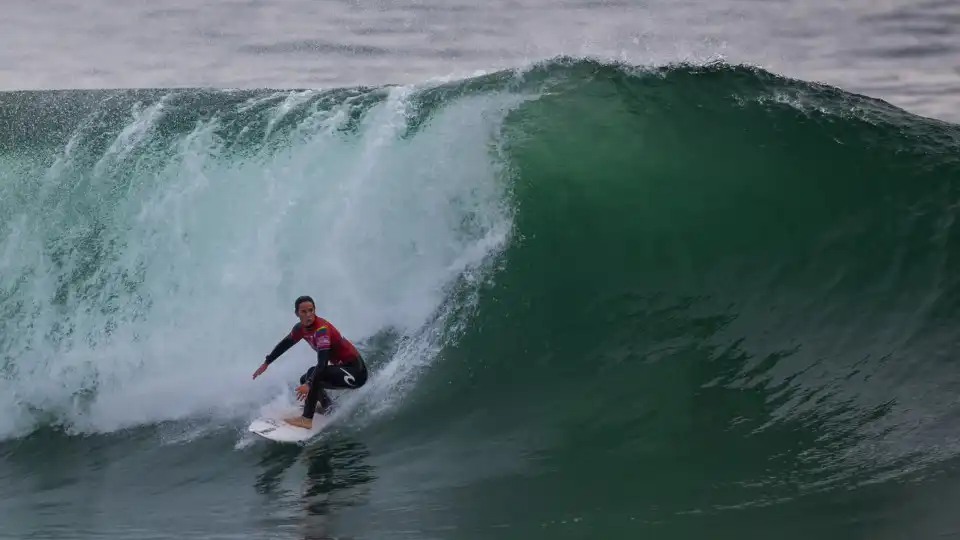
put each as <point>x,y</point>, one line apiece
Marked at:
<point>144,280</point>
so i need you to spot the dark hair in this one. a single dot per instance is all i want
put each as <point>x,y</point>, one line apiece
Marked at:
<point>302,299</point>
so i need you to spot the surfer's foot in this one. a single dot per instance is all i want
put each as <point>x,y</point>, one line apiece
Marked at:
<point>299,421</point>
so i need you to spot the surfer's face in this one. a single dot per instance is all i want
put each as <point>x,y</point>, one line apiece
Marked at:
<point>306,312</point>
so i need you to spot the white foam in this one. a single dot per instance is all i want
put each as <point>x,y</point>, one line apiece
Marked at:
<point>205,255</point>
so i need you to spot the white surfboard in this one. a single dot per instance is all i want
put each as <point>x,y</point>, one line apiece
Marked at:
<point>271,426</point>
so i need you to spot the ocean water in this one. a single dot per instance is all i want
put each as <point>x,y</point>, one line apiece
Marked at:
<point>902,52</point>
<point>662,270</point>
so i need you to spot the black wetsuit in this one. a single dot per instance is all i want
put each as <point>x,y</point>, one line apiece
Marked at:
<point>340,364</point>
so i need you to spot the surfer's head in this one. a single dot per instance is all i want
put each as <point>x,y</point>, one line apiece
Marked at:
<point>305,308</point>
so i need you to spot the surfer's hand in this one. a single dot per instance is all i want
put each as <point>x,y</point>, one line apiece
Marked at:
<point>260,370</point>
<point>302,392</point>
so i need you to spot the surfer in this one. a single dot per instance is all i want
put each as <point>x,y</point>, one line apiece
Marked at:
<point>339,365</point>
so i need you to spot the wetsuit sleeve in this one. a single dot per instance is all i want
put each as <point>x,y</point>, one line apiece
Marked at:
<point>322,356</point>
<point>324,343</point>
<point>284,345</point>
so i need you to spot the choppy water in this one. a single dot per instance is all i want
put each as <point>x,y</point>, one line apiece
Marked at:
<point>599,300</point>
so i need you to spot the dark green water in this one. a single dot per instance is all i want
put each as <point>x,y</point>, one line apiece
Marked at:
<point>600,303</point>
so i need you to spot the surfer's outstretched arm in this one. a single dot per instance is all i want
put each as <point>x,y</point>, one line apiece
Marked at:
<point>281,347</point>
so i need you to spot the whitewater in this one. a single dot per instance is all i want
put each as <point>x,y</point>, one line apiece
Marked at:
<point>150,263</point>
